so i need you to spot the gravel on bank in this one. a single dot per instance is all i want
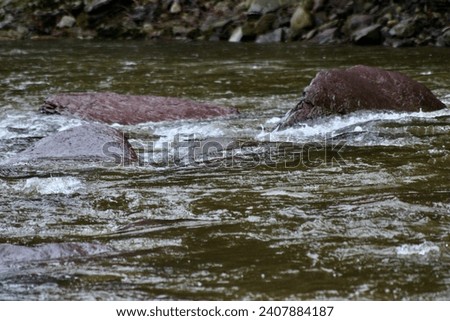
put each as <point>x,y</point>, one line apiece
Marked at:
<point>394,23</point>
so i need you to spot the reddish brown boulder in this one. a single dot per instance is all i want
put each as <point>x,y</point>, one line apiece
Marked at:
<point>129,109</point>
<point>341,91</point>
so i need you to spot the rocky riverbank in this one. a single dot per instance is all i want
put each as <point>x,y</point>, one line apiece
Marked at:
<point>394,23</point>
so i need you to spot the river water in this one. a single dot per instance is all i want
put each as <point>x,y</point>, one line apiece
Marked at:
<point>350,207</point>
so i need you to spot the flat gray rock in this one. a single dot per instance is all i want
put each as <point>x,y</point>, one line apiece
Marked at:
<point>86,143</point>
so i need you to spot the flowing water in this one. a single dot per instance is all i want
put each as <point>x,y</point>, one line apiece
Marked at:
<point>350,207</point>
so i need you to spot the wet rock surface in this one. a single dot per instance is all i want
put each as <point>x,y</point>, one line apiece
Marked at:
<point>342,91</point>
<point>131,109</point>
<point>393,23</point>
<point>87,143</point>
<point>13,254</point>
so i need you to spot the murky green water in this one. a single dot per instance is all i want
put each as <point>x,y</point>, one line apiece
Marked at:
<point>354,207</point>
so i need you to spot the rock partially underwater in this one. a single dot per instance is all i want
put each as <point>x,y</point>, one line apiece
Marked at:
<point>86,143</point>
<point>113,108</point>
<point>342,91</point>
<point>18,254</point>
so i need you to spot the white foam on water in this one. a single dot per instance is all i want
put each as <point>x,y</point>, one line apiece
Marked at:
<point>425,248</point>
<point>16,52</point>
<point>32,124</point>
<point>52,185</point>
<point>180,132</point>
<point>276,192</point>
<point>129,63</point>
<point>446,99</point>
<point>23,85</point>
<point>273,121</point>
<point>356,122</point>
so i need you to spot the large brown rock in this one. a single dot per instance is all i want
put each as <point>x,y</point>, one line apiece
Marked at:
<point>130,109</point>
<point>86,143</point>
<point>341,91</point>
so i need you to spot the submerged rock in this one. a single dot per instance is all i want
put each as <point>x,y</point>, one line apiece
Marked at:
<point>90,142</point>
<point>13,254</point>
<point>341,91</point>
<point>129,109</point>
